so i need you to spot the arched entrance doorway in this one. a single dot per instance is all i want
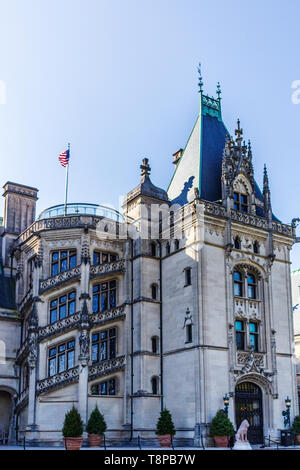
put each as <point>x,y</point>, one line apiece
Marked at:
<point>248,405</point>
<point>5,416</point>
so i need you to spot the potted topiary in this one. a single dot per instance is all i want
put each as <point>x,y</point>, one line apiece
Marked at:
<point>221,429</point>
<point>95,428</point>
<point>73,429</point>
<point>165,429</point>
<point>296,428</point>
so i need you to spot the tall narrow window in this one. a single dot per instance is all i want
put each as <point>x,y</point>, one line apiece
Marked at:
<point>154,342</point>
<point>189,333</point>
<point>240,334</point>
<point>61,357</point>
<point>104,296</point>
<point>252,287</point>
<point>253,335</point>
<point>104,345</point>
<point>176,245</point>
<point>154,291</point>
<point>188,276</point>
<point>168,248</point>
<point>153,249</point>
<point>62,260</point>
<point>238,284</point>
<point>154,385</point>
<point>63,306</point>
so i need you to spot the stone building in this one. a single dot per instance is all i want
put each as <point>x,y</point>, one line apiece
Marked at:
<point>296,312</point>
<point>180,300</point>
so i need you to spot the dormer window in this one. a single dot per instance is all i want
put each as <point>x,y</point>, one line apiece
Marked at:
<point>240,202</point>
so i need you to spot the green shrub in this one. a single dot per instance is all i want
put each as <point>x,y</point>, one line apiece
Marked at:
<point>73,426</point>
<point>296,424</point>
<point>96,423</point>
<point>165,424</point>
<point>221,425</point>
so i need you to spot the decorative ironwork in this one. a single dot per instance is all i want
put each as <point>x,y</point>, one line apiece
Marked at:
<point>59,326</point>
<point>116,313</point>
<point>60,278</point>
<point>248,405</point>
<point>106,367</point>
<point>58,380</point>
<point>114,266</point>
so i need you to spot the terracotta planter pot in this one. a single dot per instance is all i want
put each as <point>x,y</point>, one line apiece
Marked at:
<point>221,441</point>
<point>298,439</point>
<point>165,440</point>
<point>95,440</point>
<point>73,443</point>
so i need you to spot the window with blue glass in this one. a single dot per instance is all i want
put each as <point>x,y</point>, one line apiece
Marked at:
<point>240,334</point>
<point>252,286</point>
<point>62,260</point>
<point>104,388</point>
<point>61,357</point>
<point>253,335</point>
<point>62,306</point>
<point>104,345</point>
<point>238,284</point>
<point>240,202</point>
<point>102,257</point>
<point>104,296</point>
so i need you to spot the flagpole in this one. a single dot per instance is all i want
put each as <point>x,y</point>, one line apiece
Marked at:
<point>67,181</point>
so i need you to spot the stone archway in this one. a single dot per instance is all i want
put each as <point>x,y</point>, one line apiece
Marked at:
<point>249,406</point>
<point>5,415</point>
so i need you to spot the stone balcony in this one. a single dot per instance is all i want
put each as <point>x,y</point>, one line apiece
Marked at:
<point>62,278</point>
<point>22,399</point>
<point>98,270</point>
<point>23,351</point>
<point>59,327</point>
<point>106,367</point>
<point>26,300</point>
<point>58,380</point>
<point>117,313</point>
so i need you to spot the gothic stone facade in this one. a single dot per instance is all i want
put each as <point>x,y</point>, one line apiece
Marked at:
<point>107,314</point>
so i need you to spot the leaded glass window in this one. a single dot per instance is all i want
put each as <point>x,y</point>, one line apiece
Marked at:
<point>62,306</point>
<point>104,345</point>
<point>62,260</point>
<point>61,357</point>
<point>104,388</point>
<point>104,296</point>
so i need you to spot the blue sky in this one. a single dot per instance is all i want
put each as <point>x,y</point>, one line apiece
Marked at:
<point>118,79</point>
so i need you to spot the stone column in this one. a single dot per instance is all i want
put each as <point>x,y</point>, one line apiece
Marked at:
<point>83,359</point>
<point>32,362</point>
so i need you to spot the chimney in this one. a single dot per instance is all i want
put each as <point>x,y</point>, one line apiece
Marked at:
<point>177,156</point>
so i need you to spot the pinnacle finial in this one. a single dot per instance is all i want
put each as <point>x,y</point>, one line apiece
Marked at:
<point>200,81</point>
<point>219,90</point>
<point>239,133</point>
<point>145,167</point>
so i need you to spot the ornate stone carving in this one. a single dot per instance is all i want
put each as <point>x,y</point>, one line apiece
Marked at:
<point>106,367</point>
<point>60,278</point>
<point>85,252</point>
<point>58,380</point>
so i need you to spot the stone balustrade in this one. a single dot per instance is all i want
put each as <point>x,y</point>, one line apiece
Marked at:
<point>23,351</point>
<point>112,267</point>
<point>22,399</point>
<point>26,300</point>
<point>59,327</point>
<point>61,278</point>
<point>106,367</point>
<point>117,313</point>
<point>62,379</point>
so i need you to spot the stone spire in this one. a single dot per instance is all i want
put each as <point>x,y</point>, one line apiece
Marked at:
<point>200,81</point>
<point>267,193</point>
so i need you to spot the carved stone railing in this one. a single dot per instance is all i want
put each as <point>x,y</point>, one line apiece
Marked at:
<point>112,267</point>
<point>23,351</point>
<point>249,219</point>
<point>214,209</point>
<point>61,278</point>
<point>25,300</point>
<point>249,309</point>
<point>283,228</point>
<point>22,399</point>
<point>116,313</point>
<point>58,380</point>
<point>106,367</point>
<point>58,327</point>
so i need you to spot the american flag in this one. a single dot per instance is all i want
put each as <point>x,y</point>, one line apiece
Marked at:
<point>64,158</point>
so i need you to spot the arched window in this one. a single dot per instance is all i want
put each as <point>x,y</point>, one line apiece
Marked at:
<point>154,291</point>
<point>237,243</point>
<point>153,249</point>
<point>154,344</point>
<point>238,284</point>
<point>168,248</point>
<point>189,332</point>
<point>154,385</point>
<point>252,286</point>
<point>256,247</point>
